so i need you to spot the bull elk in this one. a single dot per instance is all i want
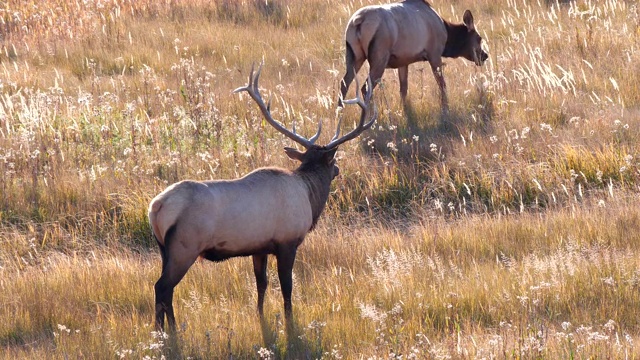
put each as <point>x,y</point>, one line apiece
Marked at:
<point>398,34</point>
<point>268,211</point>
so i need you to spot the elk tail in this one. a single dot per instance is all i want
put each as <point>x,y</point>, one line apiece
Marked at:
<point>366,32</point>
<point>359,34</point>
<point>155,231</point>
<point>163,251</point>
<point>154,209</point>
<point>165,209</point>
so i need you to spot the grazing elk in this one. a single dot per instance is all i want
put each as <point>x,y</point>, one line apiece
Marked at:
<point>268,211</point>
<point>396,35</point>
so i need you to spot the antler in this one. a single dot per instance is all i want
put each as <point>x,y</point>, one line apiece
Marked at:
<point>362,126</point>
<point>254,92</point>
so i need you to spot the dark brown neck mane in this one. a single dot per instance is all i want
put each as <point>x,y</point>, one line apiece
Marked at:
<point>318,180</point>
<point>456,38</point>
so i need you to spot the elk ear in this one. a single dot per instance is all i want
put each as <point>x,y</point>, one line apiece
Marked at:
<point>467,18</point>
<point>294,154</point>
<point>330,154</point>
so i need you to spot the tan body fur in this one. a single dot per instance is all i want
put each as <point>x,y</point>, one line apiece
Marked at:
<point>235,216</point>
<point>413,32</point>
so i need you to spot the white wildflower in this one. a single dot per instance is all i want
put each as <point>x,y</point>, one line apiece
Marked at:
<point>266,354</point>
<point>610,326</point>
<point>64,328</point>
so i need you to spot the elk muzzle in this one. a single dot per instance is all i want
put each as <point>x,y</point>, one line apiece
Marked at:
<point>480,56</point>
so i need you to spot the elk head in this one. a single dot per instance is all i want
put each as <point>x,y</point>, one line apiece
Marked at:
<point>473,47</point>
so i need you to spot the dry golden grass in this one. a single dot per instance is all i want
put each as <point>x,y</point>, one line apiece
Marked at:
<point>506,230</point>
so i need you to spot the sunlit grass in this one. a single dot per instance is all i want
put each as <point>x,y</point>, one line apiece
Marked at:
<point>528,285</point>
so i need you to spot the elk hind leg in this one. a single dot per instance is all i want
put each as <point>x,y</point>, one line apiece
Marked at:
<point>353,65</point>
<point>260,271</point>
<point>378,60</point>
<point>176,263</point>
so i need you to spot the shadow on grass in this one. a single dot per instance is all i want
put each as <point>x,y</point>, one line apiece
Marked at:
<point>296,344</point>
<point>410,137</point>
<point>410,150</point>
<point>173,348</point>
<point>476,116</point>
<point>20,337</point>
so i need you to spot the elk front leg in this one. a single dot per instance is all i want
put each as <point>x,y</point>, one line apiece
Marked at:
<point>260,271</point>
<point>286,256</point>
<point>403,78</point>
<point>438,74</point>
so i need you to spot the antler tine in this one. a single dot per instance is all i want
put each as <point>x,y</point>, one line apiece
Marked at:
<point>337,135</point>
<point>362,126</point>
<point>253,81</point>
<point>314,137</point>
<point>358,98</point>
<point>339,127</point>
<point>254,92</point>
<point>317,135</point>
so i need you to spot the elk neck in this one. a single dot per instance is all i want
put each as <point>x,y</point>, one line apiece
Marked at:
<point>456,39</point>
<point>318,180</point>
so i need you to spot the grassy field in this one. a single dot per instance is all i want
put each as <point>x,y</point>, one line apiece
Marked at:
<point>508,229</point>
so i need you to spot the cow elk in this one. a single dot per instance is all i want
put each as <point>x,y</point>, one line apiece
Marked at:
<point>268,211</point>
<point>398,34</point>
